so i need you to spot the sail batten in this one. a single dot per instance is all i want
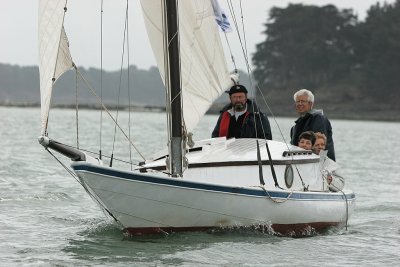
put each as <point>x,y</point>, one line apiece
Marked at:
<point>204,69</point>
<point>54,55</point>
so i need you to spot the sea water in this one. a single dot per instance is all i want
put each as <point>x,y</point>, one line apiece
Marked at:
<point>47,219</point>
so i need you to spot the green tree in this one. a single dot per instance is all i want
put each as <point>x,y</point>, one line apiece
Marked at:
<point>381,62</point>
<point>306,46</point>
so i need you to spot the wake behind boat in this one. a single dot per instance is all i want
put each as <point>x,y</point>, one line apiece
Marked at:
<point>212,183</point>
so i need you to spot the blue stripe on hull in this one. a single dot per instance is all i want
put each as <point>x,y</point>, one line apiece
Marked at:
<point>209,187</point>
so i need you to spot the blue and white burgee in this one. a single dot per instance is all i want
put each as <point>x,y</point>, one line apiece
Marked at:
<point>221,17</point>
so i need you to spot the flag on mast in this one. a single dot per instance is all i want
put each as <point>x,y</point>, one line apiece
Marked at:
<point>221,17</point>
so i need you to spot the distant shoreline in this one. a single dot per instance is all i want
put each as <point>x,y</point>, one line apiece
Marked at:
<point>86,106</point>
<point>387,116</point>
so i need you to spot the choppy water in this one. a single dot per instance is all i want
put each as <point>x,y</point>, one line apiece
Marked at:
<point>47,219</point>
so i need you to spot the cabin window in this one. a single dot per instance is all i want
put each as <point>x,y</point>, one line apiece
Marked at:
<point>289,176</point>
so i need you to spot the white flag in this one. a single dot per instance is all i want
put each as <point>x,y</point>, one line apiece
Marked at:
<point>221,17</point>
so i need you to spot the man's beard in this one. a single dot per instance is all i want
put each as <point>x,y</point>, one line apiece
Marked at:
<point>239,106</point>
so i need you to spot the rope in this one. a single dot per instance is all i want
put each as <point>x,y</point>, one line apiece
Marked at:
<point>274,200</point>
<point>324,176</point>
<point>347,208</point>
<point>289,195</point>
<point>347,205</point>
<point>301,179</point>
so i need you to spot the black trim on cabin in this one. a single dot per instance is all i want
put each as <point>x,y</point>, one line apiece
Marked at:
<point>187,151</point>
<point>237,163</point>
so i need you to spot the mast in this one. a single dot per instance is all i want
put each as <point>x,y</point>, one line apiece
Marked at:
<point>174,87</point>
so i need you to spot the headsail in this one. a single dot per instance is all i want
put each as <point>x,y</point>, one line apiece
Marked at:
<point>204,70</point>
<point>54,54</point>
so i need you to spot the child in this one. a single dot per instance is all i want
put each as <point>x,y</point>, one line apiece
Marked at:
<point>307,140</point>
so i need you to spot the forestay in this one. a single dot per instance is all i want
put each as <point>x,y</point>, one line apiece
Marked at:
<point>54,54</point>
<point>204,70</point>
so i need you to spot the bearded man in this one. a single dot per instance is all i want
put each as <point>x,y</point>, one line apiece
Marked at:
<point>242,118</point>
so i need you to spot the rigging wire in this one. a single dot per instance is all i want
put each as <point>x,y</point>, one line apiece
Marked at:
<point>109,113</point>
<point>243,47</point>
<point>120,83</point>
<point>87,191</point>
<point>101,77</point>
<point>251,80</point>
<point>95,153</point>
<point>129,88</point>
<point>249,69</point>
<point>76,109</point>
<point>101,203</point>
<point>245,52</point>
<point>230,52</point>
<point>243,44</point>
<point>53,80</point>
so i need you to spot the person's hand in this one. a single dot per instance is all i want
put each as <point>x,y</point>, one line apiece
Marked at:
<point>329,179</point>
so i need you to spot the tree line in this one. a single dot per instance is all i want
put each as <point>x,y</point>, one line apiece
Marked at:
<point>326,49</point>
<point>19,85</point>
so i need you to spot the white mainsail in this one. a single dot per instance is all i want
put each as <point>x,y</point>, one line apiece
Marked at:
<point>54,54</point>
<point>204,70</point>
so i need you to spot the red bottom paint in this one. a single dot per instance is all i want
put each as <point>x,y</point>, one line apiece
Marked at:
<point>296,230</point>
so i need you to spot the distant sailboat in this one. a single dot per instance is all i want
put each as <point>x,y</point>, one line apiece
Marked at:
<point>213,183</point>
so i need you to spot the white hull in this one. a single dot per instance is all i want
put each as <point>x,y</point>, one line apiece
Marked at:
<point>147,203</point>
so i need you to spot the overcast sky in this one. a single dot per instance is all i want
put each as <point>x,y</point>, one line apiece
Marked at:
<point>19,19</point>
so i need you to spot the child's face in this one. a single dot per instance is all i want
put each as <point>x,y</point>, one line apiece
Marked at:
<point>304,143</point>
<point>319,145</point>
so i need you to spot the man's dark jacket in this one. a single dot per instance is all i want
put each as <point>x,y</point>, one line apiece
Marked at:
<point>314,121</point>
<point>247,126</point>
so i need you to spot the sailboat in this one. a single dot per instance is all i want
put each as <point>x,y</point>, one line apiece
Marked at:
<point>201,185</point>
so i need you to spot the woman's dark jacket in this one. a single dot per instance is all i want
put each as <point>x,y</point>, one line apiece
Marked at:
<point>314,121</point>
<point>244,126</point>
